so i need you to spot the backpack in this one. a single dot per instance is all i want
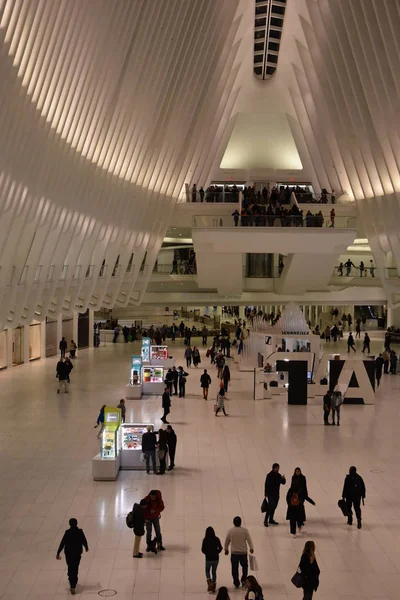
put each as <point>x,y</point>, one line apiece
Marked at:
<point>130,520</point>
<point>295,500</point>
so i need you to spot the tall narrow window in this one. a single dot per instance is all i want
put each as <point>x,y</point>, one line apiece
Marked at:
<point>268,25</point>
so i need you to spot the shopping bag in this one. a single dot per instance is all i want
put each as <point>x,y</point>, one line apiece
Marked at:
<point>264,506</point>
<point>342,504</point>
<point>298,579</point>
<point>142,457</point>
<point>253,563</point>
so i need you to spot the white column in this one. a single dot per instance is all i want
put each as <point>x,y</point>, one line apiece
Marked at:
<point>59,331</point>
<point>9,348</point>
<point>91,325</point>
<point>43,339</point>
<point>26,344</point>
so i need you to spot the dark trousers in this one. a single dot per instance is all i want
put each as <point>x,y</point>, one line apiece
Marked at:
<point>272,504</point>
<point>378,378</point>
<point>62,352</point>
<point>172,450</point>
<point>157,530</point>
<point>169,384</point>
<point>307,594</point>
<point>326,416</point>
<point>150,454</point>
<point>166,413</point>
<point>236,560</point>
<point>188,361</point>
<point>293,523</point>
<point>163,464</point>
<point>223,410</point>
<point>356,504</point>
<point>226,383</point>
<point>366,347</point>
<point>386,367</point>
<point>350,346</point>
<point>204,340</point>
<point>181,389</point>
<point>73,561</point>
<point>175,382</point>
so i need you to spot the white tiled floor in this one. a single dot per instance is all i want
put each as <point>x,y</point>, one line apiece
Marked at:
<point>47,443</point>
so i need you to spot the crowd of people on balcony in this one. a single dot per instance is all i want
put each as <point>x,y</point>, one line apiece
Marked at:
<point>276,215</point>
<point>363,269</point>
<point>184,265</point>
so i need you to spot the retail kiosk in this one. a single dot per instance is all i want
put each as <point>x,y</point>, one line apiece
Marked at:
<point>135,386</point>
<point>106,464</point>
<point>131,445</point>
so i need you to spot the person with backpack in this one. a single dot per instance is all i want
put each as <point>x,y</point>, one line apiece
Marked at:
<point>153,506</point>
<point>238,539</point>
<point>272,485</point>
<point>135,521</point>
<point>309,570</point>
<point>295,511</point>
<point>212,548</point>
<point>182,381</point>
<point>353,492</point>
<point>336,403</point>
<point>73,542</point>
<point>254,589</point>
<point>205,382</point>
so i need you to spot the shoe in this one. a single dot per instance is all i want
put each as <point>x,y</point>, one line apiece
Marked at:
<point>333,423</point>
<point>359,525</point>
<point>243,585</point>
<point>139,555</point>
<point>273,522</point>
<point>73,592</point>
<point>58,391</point>
<point>160,547</point>
<point>237,587</point>
<point>162,420</point>
<point>265,523</point>
<point>338,425</point>
<point>349,522</point>
<point>170,468</point>
<point>301,528</point>
<point>166,422</point>
<point>294,536</point>
<point>209,586</point>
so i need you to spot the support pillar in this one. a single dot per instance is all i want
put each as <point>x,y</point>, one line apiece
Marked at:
<point>91,326</point>
<point>25,354</point>
<point>9,348</point>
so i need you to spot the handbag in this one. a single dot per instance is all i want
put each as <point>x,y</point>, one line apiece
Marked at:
<point>264,506</point>
<point>253,563</point>
<point>298,579</point>
<point>344,507</point>
<point>161,454</point>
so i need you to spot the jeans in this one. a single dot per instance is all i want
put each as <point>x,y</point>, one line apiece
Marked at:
<point>149,528</point>
<point>172,450</point>
<point>211,570</point>
<point>150,454</point>
<point>272,504</point>
<point>73,561</point>
<point>204,340</point>
<point>182,389</point>
<point>326,415</point>
<point>356,504</point>
<point>237,559</point>
<point>175,382</point>
<point>335,411</point>
<point>188,361</point>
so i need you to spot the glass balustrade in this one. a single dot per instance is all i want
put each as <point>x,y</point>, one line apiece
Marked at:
<point>295,221</point>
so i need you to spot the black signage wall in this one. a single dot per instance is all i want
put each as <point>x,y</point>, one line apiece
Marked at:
<point>297,370</point>
<point>335,368</point>
<point>83,330</point>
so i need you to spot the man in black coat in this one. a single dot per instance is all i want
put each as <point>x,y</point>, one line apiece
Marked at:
<point>166,404</point>
<point>149,441</point>
<point>378,368</point>
<point>353,492</point>
<point>171,442</point>
<point>327,405</point>
<point>175,381</point>
<point>273,482</point>
<point>72,543</point>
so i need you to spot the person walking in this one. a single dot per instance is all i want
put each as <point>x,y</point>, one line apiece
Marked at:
<point>205,382</point>
<point>175,381</point>
<point>188,355</point>
<point>309,569</point>
<point>171,443</point>
<point>226,377</point>
<point>220,362</point>
<point>100,421</point>
<point>299,480</point>
<point>153,506</point>
<point>149,441</point>
<point>348,264</point>
<point>386,358</point>
<point>372,268</point>
<point>204,334</point>
<point>336,403</point>
<point>350,342</point>
<point>393,362</point>
<point>63,347</point>
<point>253,589</point>
<point>379,362</point>
<point>221,402</point>
<point>162,448</point>
<point>327,404</point>
<point>73,542</point>
<point>137,521</point>
<point>166,404</point>
<point>68,366</point>
<point>366,344</point>
<point>72,349</point>
<point>212,548</point>
<point>272,485</point>
<point>169,380</point>
<point>182,381</point>
<point>239,540</point>
<point>353,493</point>
<point>196,357</point>
<point>62,373</point>
<point>122,407</point>
<point>295,508</point>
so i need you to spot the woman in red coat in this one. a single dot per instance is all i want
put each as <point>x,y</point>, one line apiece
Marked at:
<point>153,506</point>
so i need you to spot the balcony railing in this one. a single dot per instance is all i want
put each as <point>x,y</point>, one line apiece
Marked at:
<point>264,221</point>
<point>182,268</point>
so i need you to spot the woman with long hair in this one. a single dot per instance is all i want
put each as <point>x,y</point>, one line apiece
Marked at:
<point>300,482</point>
<point>222,594</point>
<point>310,571</point>
<point>254,589</point>
<point>212,548</point>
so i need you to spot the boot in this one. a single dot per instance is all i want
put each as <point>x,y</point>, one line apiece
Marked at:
<point>209,586</point>
<point>213,588</point>
<point>359,524</point>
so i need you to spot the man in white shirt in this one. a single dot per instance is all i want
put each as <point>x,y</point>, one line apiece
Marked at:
<point>238,538</point>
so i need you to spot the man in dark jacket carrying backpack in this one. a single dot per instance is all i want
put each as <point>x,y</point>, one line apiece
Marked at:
<point>353,492</point>
<point>72,543</point>
<point>135,521</point>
